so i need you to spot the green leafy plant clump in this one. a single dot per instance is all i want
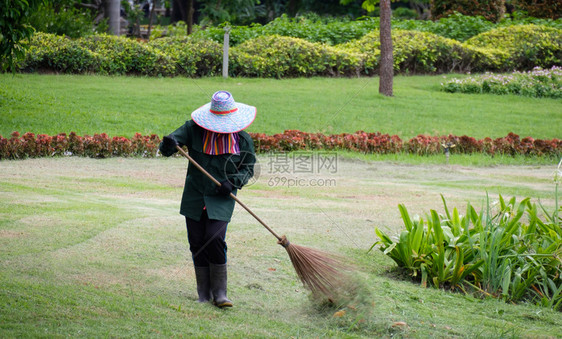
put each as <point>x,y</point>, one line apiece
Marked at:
<point>508,250</point>
<point>538,83</point>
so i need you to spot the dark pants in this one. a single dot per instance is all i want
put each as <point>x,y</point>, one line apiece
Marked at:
<point>207,240</point>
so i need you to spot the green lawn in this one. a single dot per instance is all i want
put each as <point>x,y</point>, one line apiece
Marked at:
<point>122,106</point>
<point>96,248</point>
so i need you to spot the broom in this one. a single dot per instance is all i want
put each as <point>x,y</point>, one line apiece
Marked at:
<point>321,272</point>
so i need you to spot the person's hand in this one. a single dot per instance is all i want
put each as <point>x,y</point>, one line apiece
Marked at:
<point>169,141</point>
<point>225,188</point>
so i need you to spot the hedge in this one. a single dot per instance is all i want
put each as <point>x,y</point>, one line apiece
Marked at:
<point>101,145</point>
<point>503,49</point>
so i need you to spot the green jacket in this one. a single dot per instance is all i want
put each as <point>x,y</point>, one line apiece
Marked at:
<point>199,191</point>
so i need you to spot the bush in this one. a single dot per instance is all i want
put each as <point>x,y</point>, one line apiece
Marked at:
<point>192,57</point>
<point>527,46</point>
<point>60,54</point>
<point>279,57</point>
<point>422,52</point>
<point>103,54</point>
<point>418,52</point>
<point>126,56</point>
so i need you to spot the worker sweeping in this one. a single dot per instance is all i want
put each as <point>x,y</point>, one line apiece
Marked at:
<point>216,141</point>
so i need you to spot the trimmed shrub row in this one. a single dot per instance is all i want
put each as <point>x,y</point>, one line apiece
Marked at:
<point>504,49</point>
<point>101,145</point>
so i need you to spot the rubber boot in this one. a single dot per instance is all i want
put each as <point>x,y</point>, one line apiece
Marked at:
<point>218,286</point>
<point>203,278</point>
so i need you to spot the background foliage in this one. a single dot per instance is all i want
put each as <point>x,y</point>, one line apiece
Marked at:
<point>14,28</point>
<point>63,18</point>
<point>335,31</point>
<point>492,10</point>
<point>551,9</point>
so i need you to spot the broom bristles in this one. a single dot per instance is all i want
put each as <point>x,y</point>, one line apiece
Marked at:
<point>321,272</point>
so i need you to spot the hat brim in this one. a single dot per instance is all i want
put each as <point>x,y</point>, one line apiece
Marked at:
<point>225,123</point>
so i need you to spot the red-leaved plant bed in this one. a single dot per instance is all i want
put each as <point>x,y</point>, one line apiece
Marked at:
<point>97,146</point>
<point>101,145</point>
<point>361,141</point>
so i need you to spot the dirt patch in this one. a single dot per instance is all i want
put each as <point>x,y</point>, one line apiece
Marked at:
<point>177,273</point>
<point>99,279</point>
<point>5,234</point>
<point>40,220</point>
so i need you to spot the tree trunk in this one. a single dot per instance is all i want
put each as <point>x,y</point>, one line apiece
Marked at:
<point>386,66</point>
<point>190,11</point>
<point>113,13</point>
<point>150,16</point>
<point>184,10</point>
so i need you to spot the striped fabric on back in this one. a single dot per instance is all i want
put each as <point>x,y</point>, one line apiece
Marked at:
<point>220,143</point>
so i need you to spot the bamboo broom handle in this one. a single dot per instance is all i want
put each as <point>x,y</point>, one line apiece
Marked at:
<point>199,167</point>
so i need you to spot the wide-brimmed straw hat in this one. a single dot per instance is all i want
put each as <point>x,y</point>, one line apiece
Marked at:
<point>223,114</point>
